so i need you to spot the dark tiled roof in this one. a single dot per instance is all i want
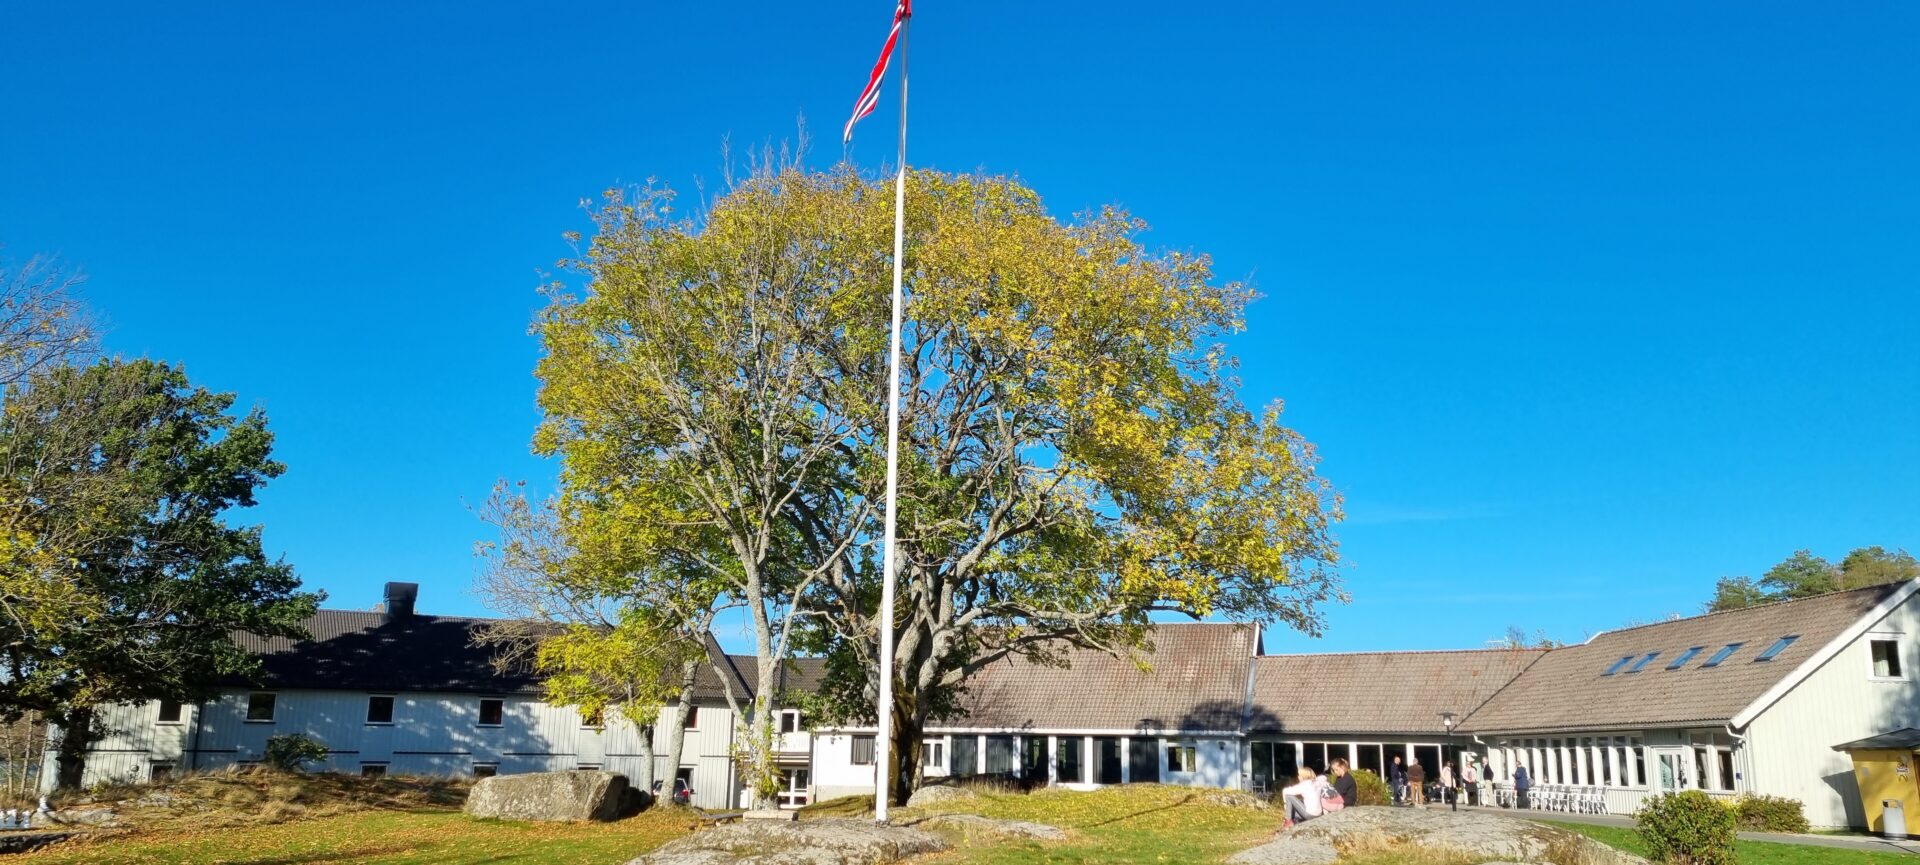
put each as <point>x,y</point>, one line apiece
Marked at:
<point>356,650</point>
<point>1377,692</point>
<point>1195,679</point>
<point>1568,690</point>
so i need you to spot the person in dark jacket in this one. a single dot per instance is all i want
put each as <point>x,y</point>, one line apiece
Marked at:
<point>1397,779</point>
<point>1522,785</point>
<point>1343,783</point>
<point>1417,784</point>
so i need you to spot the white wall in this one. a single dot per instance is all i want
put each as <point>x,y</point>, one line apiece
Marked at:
<point>1791,743</point>
<point>834,774</point>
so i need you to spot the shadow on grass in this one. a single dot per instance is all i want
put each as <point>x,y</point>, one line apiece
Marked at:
<point>1142,813</point>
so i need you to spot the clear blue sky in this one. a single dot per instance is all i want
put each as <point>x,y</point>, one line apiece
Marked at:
<point>1584,306</point>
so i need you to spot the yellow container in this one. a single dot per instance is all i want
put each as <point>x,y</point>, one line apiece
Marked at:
<point>1885,774</point>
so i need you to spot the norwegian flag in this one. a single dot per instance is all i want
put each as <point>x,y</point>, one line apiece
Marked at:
<point>871,96</point>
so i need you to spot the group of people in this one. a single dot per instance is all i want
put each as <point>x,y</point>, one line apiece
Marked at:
<point>1313,795</point>
<point>1409,783</point>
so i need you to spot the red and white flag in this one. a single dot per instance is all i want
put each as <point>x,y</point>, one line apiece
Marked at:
<point>871,96</point>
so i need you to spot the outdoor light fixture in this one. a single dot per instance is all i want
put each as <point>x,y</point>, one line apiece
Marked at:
<point>1452,792</point>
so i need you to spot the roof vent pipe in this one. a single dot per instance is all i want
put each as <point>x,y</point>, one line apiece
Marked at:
<point>399,601</point>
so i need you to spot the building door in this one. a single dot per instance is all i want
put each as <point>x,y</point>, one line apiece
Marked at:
<point>1143,761</point>
<point>1033,758</point>
<point>1107,750</point>
<point>1669,773</point>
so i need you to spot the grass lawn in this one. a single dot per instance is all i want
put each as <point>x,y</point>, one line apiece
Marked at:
<point>434,837</point>
<point>1140,824</point>
<point>1751,852</point>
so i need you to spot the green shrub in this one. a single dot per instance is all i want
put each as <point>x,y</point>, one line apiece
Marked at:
<point>290,752</point>
<point>1687,828</point>
<point>1370,789</point>
<point>1770,814</point>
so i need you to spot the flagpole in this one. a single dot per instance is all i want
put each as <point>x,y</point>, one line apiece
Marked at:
<point>883,745</point>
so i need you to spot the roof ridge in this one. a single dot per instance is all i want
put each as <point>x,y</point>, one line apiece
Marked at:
<point>1887,588</point>
<point>1485,651</point>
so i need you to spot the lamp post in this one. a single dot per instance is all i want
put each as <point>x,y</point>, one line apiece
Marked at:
<point>1447,719</point>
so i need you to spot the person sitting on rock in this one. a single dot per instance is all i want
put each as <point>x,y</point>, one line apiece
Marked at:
<point>1343,782</point>
<point>1303,798</point>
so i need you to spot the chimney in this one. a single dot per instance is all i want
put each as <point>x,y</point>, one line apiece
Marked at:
<point>399,601</point>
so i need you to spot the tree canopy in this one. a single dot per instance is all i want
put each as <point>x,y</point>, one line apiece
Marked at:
<point>1803,575</point>
<point>1075,455</point>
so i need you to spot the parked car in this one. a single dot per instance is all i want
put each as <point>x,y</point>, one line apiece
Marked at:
<point>682,791</point>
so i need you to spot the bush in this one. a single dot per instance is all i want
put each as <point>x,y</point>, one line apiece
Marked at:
<point>1687,828</point>
<point>1770,814</point>
<point>290,752</point>
<point>1370,789</point>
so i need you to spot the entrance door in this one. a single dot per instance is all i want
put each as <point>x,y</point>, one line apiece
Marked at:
<point>1033,758</point>
<point>1143,761</point>
<point>1669,771</point>
<point>1109,757</point>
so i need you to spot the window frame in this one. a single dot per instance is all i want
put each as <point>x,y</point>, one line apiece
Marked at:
<point>1723,654</point>
<point>480,716</point>
<point>485,770</point>
<point>160,770</point>
<point>1617,665</point>
<point>393,706</point>
<point>273,707</point>
<point>933,754</point>
<point>1899,673</point>
<point>854,742</point>
<point>373,769</point>
<point>1681,659</point>
<point>179,713</point>
<point>1778,648</point>
<point>790,721</point>
<point>1646,659</point>
<point>693,718</point>
<point>596,720</point>
<point>1188,756</point>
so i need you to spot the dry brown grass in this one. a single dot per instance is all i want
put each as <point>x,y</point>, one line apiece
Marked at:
<point>255,796</point>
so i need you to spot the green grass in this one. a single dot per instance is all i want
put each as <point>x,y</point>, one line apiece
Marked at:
<point>1750,852</point>
<point>1119,826</point>
<point>386,837</point>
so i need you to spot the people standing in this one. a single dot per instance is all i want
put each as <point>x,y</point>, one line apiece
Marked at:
<point>1397,780</point>
<point>1417,783</point>
<point>1449,786</point>
<point>1470,782</point>
<point>1522,784</point>
<point>1343,783</point>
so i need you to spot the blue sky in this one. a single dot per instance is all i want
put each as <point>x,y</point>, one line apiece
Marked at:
<point>1584,305</point>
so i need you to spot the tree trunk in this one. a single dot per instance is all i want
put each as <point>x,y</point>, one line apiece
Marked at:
<point>907,771</point>
<point>648,771</point>
<point>77,734</point>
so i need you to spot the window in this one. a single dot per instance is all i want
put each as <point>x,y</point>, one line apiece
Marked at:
<point>587,767</point>
<point>693,717</point>
<point>485,770</point>
<point>593,720</point>
<point>1721,656</point>
<point>933,755</point>
<point>1067,762</point>
<point>259,708</point>
<point>380,709</point>
<point>1180,758</point>
<point>790,721</point>
<point>1726,769</point>
<point>373,770</point>
<point>1886,658</point>
<point>1685,656</point>
<point>169,712</point>
<point>1000,755</point>
<point>1617,665</point>
<point>863,750</point>
<point>1778,646</point>
<point>492,712</point>
<point>1648,659</point>
<point>160,772</point>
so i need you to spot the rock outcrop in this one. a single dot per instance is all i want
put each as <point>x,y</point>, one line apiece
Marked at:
<point>976,826</point>
<point>939,794</point>
<point>550,796</point>
<point>1489,837</point>
<point>809,842</point>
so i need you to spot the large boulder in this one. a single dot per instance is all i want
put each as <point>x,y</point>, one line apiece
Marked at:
<point>833,841</point>
<point>552,796</point>
<point>939,794</point>
<point>974,825</point>
<point>1475,835</point>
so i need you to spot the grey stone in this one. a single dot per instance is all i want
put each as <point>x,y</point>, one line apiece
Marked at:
<point>1469,833</point>
<point>99,818</point>
<point>549,796</point>
<point>775,815</point>
<point>974,824</point>
<point>836,841</point>
<point>1237,799</point>
<point>1288,850</point>
<point>938,794</point>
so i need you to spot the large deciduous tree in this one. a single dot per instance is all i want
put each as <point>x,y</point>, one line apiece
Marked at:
<point>1075,455</point>
<point>120,579</point>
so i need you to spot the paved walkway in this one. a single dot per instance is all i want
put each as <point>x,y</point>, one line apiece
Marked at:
<point>1843,842</point>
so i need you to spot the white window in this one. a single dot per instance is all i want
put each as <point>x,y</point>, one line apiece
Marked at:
<point>790,721</point>
<point>160,772</point>
<point>594,720</point>
<point>862,750</point>
<point>492,712</point>
<point>1886,657</point>
<point>933,755</point>
<point>1180,758</point>
<point>259,708</point>
<point>169,712</point>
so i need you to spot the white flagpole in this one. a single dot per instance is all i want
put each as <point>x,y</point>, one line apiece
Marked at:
<point>883,709</point>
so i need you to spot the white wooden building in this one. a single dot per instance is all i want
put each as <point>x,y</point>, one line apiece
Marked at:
<point>1744,701</point>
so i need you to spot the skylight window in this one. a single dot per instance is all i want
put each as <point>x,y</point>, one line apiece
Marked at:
<point>1643,662</point>
<point>1617,665</point>
<point>1685,657</point>
<point>1778,646</point>
<point>1722,655</point>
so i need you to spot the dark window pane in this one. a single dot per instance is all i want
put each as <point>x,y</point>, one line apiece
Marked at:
<point>965,759</point>
<point>379,710</point>
<point>259,707</point>
<point>373,770</point>
<point>169,712</point>
<point>492,712</point>
<point>999,755</point>
<point>1069,765</point>
<point>485,770</point>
